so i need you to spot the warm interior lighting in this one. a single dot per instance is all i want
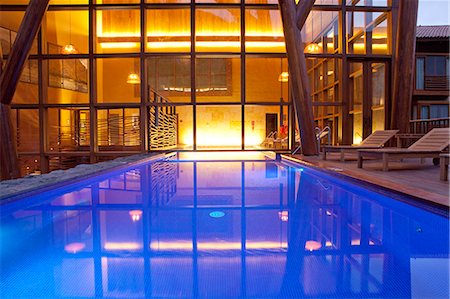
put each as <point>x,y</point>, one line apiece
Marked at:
<point>69,49</point>
<point>313,48</point>
<point>119,45</point>
<point>135,215</point>
<point>283,216</point>
<point>133,78</point>
<point>283,77</point>
<point>312,245</point>
<point>202,156</point>
<point>357,139</point>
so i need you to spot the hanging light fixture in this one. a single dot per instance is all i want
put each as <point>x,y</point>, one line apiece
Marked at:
<point>69,48</point>
<point>283,77</point>
<point>135,215</point>
<point>313,48</point>
<point>133,78</point>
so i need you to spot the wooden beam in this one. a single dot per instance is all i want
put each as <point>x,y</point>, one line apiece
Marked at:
<point>303,10</point>
<point>9,165</point>
<point>298,77</point>
<point>404,65</point>
<point>9,78</point>
<point>19,53</point>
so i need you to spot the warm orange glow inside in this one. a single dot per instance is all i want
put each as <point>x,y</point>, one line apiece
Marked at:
<point>313,48</point>
<point>133,78</point>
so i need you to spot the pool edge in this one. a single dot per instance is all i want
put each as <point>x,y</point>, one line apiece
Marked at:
<point>77,179</point>
<point>422,203</point>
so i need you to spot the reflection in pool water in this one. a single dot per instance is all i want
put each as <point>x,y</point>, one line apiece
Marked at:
<point>156,231</point>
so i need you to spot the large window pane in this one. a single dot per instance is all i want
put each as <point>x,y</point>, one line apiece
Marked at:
<point>118,129</point>
<point>171,127</point>
<point>118,31</point>
<point>320,27</point>
<point>168,30</point>
<point>26,124</point>
<point>217,30</point>
<point>264,31</point>
<point>68,129</point>
<point>118,80</point>
<point>68,81</point>
<point>219,127</point>
<point>169,77</point>
<point>218,79</point>
<point>266,127</point>
<point>66,32</point>
<point>270,87</point>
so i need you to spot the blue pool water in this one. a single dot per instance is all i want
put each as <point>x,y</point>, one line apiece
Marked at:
<point>222,229</point>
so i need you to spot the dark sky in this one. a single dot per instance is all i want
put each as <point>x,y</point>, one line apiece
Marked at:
<point>434,12</point>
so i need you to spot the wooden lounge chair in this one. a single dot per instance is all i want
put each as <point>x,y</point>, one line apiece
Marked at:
<point>429,146</point>
<point>375,140</point>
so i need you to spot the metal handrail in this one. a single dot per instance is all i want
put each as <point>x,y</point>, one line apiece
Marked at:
<point>321,133</point>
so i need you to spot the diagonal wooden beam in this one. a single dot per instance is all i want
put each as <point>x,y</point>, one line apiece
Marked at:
<point>404,65</point>
<point>19,53</point>
<point>298,77</point>
<point>9,78</point>
<point>304,7</point>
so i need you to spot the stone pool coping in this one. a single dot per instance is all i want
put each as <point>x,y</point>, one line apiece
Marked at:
<point>11,190</point>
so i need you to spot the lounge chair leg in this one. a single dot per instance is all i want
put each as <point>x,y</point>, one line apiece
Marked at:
<point>444,169</point>
<point>342,156</point>
<point>324,157</point>
<point>360,160</point>
<point>385,162</point>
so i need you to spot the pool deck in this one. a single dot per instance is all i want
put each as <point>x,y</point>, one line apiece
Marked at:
<point>411,177</point>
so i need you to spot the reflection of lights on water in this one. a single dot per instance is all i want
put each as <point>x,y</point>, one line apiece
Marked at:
<point>283,215</point>
<point>328,213</point>
<point>74,247</point>
<point>312,245</point>
<point>135,215</point>
<point>122,246</point>
<point>217,214</point>
<point>187,245</point>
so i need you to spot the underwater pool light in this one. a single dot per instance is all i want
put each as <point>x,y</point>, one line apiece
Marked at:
<point>217,214</point>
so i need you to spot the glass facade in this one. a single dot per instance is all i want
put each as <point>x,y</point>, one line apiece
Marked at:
<point>121,77</point>
<point>349,66</point>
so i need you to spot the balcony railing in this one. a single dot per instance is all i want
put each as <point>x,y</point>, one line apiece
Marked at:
<point>437,83</point>
<point>423,126</point>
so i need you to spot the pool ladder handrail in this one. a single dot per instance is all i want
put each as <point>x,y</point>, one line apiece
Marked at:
<point>320,134</point>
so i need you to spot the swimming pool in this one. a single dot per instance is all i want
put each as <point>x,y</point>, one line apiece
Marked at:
<point>171,228</point>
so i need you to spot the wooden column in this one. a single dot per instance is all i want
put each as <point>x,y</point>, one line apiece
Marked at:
<point>298,77</point>
<point>303,10</point>
<point>9,164</point>
<point>404,65</point>
<point>9,79</point>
